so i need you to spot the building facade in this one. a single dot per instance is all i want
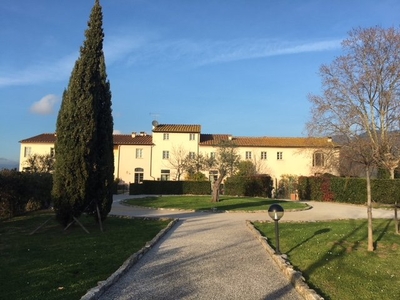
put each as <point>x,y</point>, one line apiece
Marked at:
<point>156,156</point>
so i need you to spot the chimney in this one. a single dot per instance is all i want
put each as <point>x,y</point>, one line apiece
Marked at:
<point>230,137</point>
<point>133,134</point>
<point>142,133</point>
<point>329,139</point>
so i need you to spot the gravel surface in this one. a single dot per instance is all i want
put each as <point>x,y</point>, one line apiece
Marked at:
<point>214,256</point>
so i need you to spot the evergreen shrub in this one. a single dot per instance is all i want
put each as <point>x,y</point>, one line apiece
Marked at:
<point>21,192</point>
<point>252,186</point>
<point>348,190</point>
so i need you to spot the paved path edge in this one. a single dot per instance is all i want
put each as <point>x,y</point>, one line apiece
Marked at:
<point>295,277</point>
<point>102,286</point>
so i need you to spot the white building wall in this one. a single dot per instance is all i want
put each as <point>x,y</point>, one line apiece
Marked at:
<point>130,159</point>
<point>178,145</point>
<point>33,148</point>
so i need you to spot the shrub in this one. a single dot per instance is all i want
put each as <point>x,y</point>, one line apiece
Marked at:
<point>149,187</point>
<point>22,191</point>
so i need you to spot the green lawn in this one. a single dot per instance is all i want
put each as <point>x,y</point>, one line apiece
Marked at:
<point>57,264</point>
<point>204,203</point>
<point>333,258</point>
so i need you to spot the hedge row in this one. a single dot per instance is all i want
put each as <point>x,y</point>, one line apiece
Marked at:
<point>348,190</point>
<point>21,192</point>
<point>252,186</point>
<point>150,187</point>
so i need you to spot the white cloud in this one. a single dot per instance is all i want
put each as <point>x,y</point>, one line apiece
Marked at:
<point>117,131</point>
<point>45,106</point>
<point>205,52</point>
<point>45,71</point>
<point>149,49</point>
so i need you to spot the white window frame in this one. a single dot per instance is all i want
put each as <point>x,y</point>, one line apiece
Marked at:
<point>279,155</point>
<point>139,153</point>
<point>165,136</point>
<point>27,151</point>
<point>318,161</point>
<point>192,155</point>
<point>138,175</point>
<point>264,155</point>
<point>165,175</point>
<point>192,137</point>
<point>248,154</point>
<point>165,154</point>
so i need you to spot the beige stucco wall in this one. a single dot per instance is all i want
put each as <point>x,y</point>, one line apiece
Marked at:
<point>126,162</point>
<point>179,145</point>
<point>36,148</point>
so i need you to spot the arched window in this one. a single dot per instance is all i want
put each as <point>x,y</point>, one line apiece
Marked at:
<point>139,175</point>
<point>318,159</point>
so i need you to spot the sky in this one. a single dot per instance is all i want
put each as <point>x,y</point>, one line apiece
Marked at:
<point>240,67</point>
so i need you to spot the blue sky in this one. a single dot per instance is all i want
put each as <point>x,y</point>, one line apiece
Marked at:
<point>232,66</point>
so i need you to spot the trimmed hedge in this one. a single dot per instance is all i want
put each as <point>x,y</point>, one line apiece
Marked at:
<point>21,192</point>
<point>149,187</point>
<point>252,186</point>
<point>348,190</point>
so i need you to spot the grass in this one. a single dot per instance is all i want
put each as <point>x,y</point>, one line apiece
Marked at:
<point>199,203</point>
<point>58,264</point>
<point>333,257</point>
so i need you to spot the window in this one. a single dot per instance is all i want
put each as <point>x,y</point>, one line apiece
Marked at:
<point>165,154</point>
<point>165,175</point>
<point>212,154</point>
<point>27,151</point>
<point>52,152</point>
<point>166,136</point>
<point>139,175</point>
<point>192,137</point>
<point>318,159</point>
<point>279,155</point>
<point>192,155</point>
<point>248,154</point>
<point>213,176</point>
<point>139,153</point>
<point>263,155</point>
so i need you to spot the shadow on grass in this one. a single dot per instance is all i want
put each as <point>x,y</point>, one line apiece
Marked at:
<point>318,232</point>
<point>262,204</point>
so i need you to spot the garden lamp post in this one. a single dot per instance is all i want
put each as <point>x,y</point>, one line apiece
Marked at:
<point>275,211</point>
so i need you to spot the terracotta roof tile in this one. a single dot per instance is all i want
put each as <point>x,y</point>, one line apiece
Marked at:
<point>41,138</point>
<point>215,139</point>
<point>177,128</point>
<point>119,139</point>
<point>282,142</point>
<point>127,139</point>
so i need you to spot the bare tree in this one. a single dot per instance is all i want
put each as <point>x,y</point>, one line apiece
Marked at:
<point>39,163</point>
<point>226,162</point>
<point>360,100</point>
<point>178,160</point>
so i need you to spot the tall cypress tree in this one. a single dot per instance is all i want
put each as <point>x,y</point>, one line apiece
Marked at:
<point>84,165</point>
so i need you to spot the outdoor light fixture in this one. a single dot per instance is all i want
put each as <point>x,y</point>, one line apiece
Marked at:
<point>275,211</point>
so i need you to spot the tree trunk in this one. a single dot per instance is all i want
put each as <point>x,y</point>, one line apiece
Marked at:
<point>215,191</point>
<point>396,219</point>
<point>391,173</point>
<point>369,211</point>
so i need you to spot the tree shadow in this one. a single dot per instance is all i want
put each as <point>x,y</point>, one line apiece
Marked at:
<point>318,232</point>
<point>245,205</point>
<point>382,231</point>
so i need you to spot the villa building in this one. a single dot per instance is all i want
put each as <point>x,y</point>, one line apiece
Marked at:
<point>141,156</point>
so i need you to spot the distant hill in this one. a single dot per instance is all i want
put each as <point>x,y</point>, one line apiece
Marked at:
<point>8,164</point>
